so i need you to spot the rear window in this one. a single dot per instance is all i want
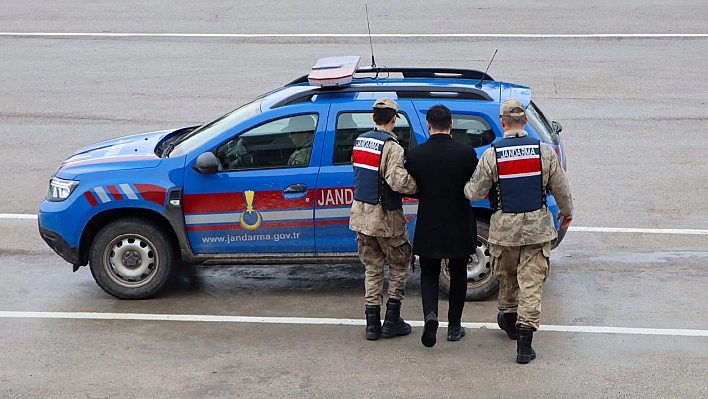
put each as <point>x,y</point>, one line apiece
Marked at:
<point>541,125</point>
<point>352,124</point>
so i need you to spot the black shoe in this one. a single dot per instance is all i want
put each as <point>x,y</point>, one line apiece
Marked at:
<point>507,322</point>
<point>373,322</point>
<point>455,333</point>
<point>524,351</point>
<point>430,330</point>
<point>393,323</point>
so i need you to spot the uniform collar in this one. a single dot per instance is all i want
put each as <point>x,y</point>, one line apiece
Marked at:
<point>308,143</point>
<point>515,133</point>
<point>383,129</point>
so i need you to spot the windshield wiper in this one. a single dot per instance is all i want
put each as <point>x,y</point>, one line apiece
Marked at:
<point>170,144</point>
<point>168,149</point>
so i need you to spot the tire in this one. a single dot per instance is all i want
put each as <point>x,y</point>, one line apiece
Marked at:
<point>561,234</point>
<point>481,282</point>
<point>132,259</point>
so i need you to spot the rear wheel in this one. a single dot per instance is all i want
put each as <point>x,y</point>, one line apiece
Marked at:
<point>481,282</point>
<point>132,259</point>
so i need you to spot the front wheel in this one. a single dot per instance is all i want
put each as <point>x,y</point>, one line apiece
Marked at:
<point>481,282</point>
<point>132,259</point>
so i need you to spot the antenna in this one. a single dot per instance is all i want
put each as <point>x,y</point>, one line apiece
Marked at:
<point>373,63</point>
<point>479,84</point>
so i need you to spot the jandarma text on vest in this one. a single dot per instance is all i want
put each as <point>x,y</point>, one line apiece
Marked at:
<point>516,152</point>
<point>369,144</point>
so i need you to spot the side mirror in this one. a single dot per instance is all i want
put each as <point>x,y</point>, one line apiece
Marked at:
<point>206,164</point>
<point>557,126</point>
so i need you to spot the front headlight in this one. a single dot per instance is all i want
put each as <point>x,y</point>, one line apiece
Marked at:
<point>60,189</point>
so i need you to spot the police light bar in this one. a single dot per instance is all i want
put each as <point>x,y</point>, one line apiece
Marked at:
<point>333,71</point>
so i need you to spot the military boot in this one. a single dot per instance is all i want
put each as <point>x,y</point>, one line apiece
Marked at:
<point>524,351</point>
<point>393,324</point>
<point>373,322</point>
<point>507,322</point>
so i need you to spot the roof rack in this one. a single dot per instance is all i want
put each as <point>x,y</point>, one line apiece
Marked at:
<point>430,91</point>
<point>429,73</point>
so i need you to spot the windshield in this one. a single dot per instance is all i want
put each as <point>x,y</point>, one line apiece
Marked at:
<point>213,129</point>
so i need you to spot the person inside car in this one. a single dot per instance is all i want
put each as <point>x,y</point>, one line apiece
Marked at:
<point>301,130</point>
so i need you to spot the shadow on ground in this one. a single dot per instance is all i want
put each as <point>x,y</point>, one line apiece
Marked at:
<point>273,279</point>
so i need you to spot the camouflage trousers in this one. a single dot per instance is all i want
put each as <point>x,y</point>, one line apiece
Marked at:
<point>521,271</point>
<point>373,253</point>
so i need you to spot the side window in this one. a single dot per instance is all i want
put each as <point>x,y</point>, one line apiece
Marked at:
<point>471,130</point>
<point>352,124</point>
<point>285,142</point>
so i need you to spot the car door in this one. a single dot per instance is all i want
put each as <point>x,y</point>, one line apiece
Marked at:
<point>335,186</point>
<point>262,198</point>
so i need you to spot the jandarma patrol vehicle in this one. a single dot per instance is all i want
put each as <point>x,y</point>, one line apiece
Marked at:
<point>268,183</point>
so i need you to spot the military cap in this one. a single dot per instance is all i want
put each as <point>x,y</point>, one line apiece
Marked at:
<point>302,123</point>
<point>386,102</point>
<point>509,108</point>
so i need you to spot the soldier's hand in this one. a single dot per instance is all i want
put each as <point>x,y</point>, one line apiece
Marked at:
<point>565,221</point>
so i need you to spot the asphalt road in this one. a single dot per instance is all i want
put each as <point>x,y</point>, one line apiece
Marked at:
<point>634,115</point>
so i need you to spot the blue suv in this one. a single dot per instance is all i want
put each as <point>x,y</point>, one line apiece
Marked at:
<point>268,183</point>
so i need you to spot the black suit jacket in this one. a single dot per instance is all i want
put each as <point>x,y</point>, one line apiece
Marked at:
<point>446,226</point>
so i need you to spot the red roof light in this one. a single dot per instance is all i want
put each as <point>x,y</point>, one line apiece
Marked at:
<point>333,71</point>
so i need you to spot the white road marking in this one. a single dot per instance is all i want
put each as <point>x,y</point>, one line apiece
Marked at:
<point>362,35</point>
<point>325,321</point>
<point>630,230</point>
<point>17,216</point>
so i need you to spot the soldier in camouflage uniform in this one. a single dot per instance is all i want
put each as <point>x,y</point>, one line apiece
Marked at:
<point>377,217</point>
<point>521,228</point>
<point>301,130</point>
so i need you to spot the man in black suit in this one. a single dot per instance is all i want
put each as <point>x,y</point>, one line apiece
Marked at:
<point>446,226</point>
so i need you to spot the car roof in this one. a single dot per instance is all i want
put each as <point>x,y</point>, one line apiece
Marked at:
<point>403,83</point>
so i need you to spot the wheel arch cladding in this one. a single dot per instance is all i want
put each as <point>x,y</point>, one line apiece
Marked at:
<point>102,219</point>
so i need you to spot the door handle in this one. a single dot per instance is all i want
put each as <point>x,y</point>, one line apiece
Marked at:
<point>295,188</point>
<point>295,191</point>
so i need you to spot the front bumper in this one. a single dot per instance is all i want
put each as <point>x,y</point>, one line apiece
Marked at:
<point>60,246</point>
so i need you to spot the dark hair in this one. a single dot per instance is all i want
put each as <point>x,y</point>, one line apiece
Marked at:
<point>383,116</point>
<point>439,117</point>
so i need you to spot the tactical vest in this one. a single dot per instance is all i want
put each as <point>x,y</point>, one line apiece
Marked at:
<point>519,187</point>
<point>369,186</point>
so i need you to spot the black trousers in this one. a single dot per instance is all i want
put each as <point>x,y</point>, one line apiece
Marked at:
<point>429,286</point>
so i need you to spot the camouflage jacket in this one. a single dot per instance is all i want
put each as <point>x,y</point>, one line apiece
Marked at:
<point>375,220</point>
<point>515,229</point>
<point>301,156</point>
